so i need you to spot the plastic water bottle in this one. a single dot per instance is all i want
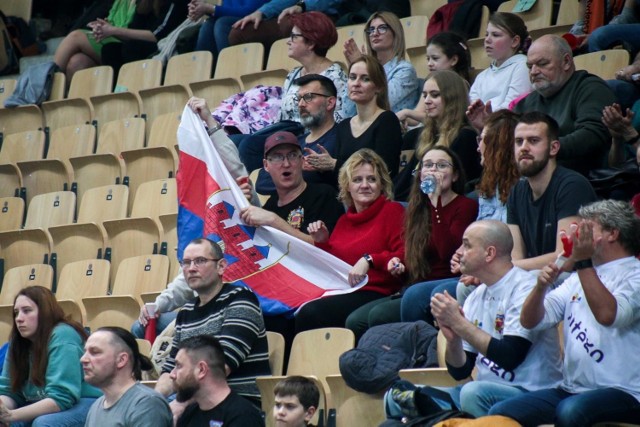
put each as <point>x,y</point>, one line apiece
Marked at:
<point>428,184</point>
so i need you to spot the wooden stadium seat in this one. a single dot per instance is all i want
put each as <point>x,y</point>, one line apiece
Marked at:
<point>164,133</point>
<point>145,165</point>
<point>76,242</point>
<point>415,30</point>
<point>131,237</point>
<point>253,176</point>
<point>137,75</point>
<point>6,89</point>
<point>279,56</point>
<point>484,21</point>
<point>264,78</point>
<point>215,90</point>
<point>119,135</point>
<point>80,279</point>
<point>234,61</point>
<point>72,141</point>
<point>604,63</point>
<point>189,67</point>
<point>44,176</point>
<point>155,198</point>
<point>98,171</point>
<point>115,106</point>
<point>22,247</point>
<point>568,13</point>
<point>169,224</point>
<point>58,87</point>
<point>135,275</point>
<point>104,203</point>
<point>15,280</point>
<point>355,32</point>
<point>162,100</point>
<point>267,398</point>
<point>91,82</point>
<point>51,209</point>
<point>21,146</point>
<point>10,180</point>
<point>558,30</point>
<point>276,353</point>
<point>20,119</point>
<point>538,16</point>
<point>479,58</point>
<point>144,346</point>
<point>21,8</point>
<point>350,407</point>
<point>418,58</point>
<point>426,7</point>
<point>67,112</point>
<point>11,213</point>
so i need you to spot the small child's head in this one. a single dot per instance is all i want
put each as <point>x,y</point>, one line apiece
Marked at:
<point>296,401</point>
<point>449,51</point>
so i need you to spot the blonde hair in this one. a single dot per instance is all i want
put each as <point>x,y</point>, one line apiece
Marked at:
<point>364,156</point>
<point>396,28</point>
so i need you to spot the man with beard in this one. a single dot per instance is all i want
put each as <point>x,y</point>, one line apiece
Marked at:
<point>113,363</point>
<point>547,200</point>
<point>199,379</point>
<point>575,99</point>
<point>230,313</point>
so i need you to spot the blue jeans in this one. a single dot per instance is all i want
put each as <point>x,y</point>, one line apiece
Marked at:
<point>610,35</point>
<point>416,301</point>
<point>626,93</point>
<point>565,409</point>
<point>73,417</point>
<point>214,34</point>
<point>477,397</point>
<point>163,321</point>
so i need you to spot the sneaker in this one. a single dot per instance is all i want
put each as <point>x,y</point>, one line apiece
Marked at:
<point>577,29</point>
<point>402,395</point>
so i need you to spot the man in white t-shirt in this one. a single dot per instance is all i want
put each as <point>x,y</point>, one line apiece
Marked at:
<point>510,360</point>
<point>600,306</point>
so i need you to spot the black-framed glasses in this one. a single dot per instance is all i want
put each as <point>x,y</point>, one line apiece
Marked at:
<point>198,262</point>
<point>278,159</point>
<point>381,29</point>
<point>441,165</point>
<point>308,97</point>
<point>293,36</point>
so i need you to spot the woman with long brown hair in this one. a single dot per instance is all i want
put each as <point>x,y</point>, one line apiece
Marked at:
<point>42,380</point>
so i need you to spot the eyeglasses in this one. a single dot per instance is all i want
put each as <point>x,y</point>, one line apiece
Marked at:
<point>293,36</point>
<point>278,159</point>
<point>439,166</point>
<point>198,262</point>
<point>308,97</point>
<point>381,29</point>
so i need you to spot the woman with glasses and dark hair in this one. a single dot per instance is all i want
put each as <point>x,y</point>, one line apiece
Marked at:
<point>384,40</point>
<point>42,381</point>
<point>312,35</point>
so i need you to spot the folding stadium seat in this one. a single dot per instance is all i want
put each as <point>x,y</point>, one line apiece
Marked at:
<point>568,13</point>
<point>558,30</point>
<point>51,209</point>
<point>279,57</point>
<point>138,75</point>
<point>155,198</point>
<point>14,280</point>
<point>484,20</point>
<point>276,352</point>
<point>6,89</point>
<point>21,8</point>
<point>11,213</point>
<point>234,61</point>
<point>104,203</point>
<point>253,176</point>
<point>80,279</point>
<point>91,82</point>
<point>164,134</point>
<point>131,237</point>
<point>76,242</point>
<point>215,90</point>
<point>265,78</point>
<point>58,87</point>
<point>415,30</point>
<point>538,16</point>
<point>20,119</point>
<point>27,145</point>
<point>169,224</point>
<point>189,67</point>
<point>426,7</point>
<point>67,112</point>
<point>355,32</point>
<point>479,58</point>
<point>22,247</point>
<point>10,180</point>
<point>418,58</point>
<point>349,407</point>
<point>145,165</point>
<point>135,275</point>
<point>162,100</point>
<point>105,167</point>
<point>604,63</point>
<point>115,106</point>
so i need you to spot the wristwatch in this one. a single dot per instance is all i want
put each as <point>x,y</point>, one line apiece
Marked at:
<point>214,129</point>
<point>302,5</point>
<point>582,264</point>
<point>369,260</point>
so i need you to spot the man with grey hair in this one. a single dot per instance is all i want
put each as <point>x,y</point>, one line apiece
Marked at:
<point>575,99</point>
<point>600,307</point>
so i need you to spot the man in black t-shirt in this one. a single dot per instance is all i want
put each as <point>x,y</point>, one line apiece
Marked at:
<point>199,378</point>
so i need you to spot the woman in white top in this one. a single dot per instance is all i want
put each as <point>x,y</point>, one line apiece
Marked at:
<point>506,43</point>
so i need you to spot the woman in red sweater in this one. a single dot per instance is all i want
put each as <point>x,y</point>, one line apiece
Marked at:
<point>368,236</point>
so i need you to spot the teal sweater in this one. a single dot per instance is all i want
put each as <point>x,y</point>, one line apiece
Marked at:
<point>64,380</point>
